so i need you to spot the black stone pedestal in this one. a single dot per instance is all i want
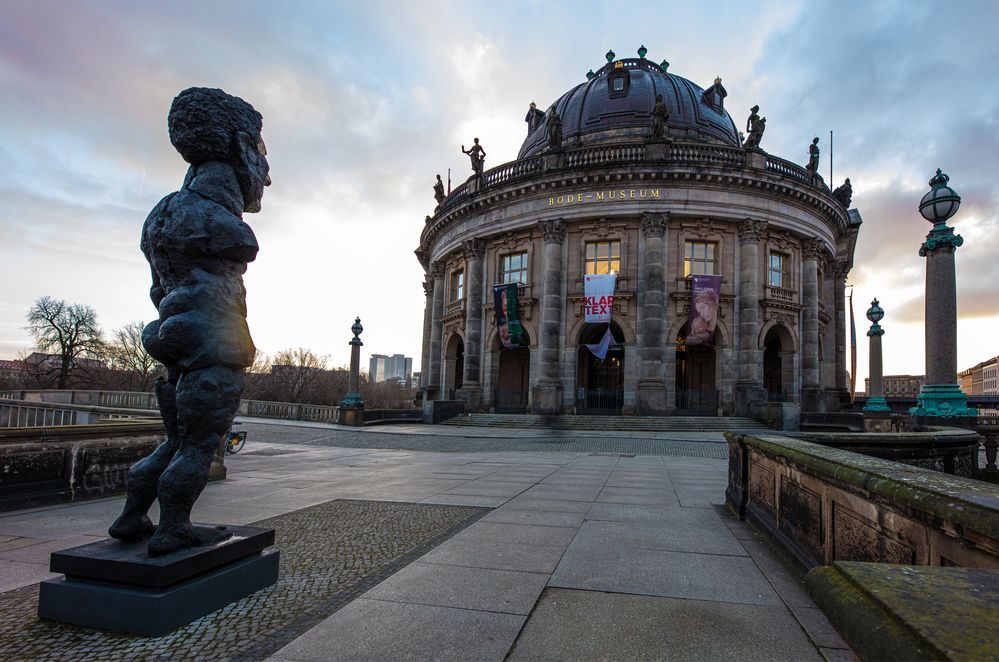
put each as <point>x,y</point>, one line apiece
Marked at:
<point>111,585</point>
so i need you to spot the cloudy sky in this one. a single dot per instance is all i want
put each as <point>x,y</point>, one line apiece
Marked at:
<point>364,102</point>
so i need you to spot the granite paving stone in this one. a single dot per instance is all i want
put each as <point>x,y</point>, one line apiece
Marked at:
<point>677,530</point>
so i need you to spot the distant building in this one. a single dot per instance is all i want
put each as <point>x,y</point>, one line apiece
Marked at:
<point>397,366</point>
<point>980,379</point>
<point>11,373</point>
<point>898,386</point>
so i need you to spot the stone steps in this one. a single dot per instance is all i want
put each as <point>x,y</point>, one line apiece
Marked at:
<point>609,423</point>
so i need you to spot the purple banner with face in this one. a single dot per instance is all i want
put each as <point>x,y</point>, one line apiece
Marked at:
<point>511,331</point>
<point>705,295</point>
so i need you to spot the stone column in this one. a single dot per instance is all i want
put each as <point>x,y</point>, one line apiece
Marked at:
<point>547,394</point>
<point>352,405</point>
<point>428,311</point>
<point>436,331</point>
<point>651,389</point>
<point>810,388</point>
<point>749,382</point>
<point>876,395</point>
<point>842,337</point>
<point>471,385</point>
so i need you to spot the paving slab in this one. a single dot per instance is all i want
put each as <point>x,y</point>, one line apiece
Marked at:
<point>651,497</point>
<point>582,625</point>
<point>537,517</point>
<point>489,487</point>
<point>15,574</point>
<point>677,530</point>
<point>629,512</point>
<point>380,631</point>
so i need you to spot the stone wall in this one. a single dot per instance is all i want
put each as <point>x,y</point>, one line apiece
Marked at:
<point>827,504</point>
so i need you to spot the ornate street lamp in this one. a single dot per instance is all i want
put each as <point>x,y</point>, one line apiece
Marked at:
<point>353,403</point>
<point>941,397</point>
<point>876,396</point>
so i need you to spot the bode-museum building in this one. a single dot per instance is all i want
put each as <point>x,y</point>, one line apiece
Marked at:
<point>639,173</point>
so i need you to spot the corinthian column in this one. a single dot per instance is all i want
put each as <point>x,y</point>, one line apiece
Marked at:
<point>812,251</point>
<point>840,272</point>
<point>547,394</point>
<point>428,311</point>
<point>651,391</point>
<point>471,388</point>
<point>436,331</point>
<point>749,383</point>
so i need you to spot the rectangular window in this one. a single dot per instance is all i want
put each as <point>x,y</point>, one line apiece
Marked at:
<point>699,257</point>
<point>778,276</point>
<point>457,285</point>
<point>513,268</point>
<point>603,257</point>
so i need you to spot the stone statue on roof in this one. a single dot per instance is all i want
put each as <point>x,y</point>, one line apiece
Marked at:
<point>755,126</point>
<point>554,124</point>
<point>477,155</point>
<point>813,157</point>
<point>660,116</point>
<point>534,117</point>
<point>844,193</point>
<point>439,191</point>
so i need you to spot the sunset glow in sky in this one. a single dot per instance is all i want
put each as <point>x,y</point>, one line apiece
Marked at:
<point>363,103</point>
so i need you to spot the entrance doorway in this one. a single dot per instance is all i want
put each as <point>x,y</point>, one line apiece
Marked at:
<point>778,365</point>
<point>454,363</point>
<point>601,381</point>
<point>696,392</point>
<point>514,380</point>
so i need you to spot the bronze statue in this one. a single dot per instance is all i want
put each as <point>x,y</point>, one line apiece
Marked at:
<point>755,126</point>
<point>197,246</point>
<point>660,115</point>
<point>439,191</point>
<point>844,193</point>
<point>534,117</point>
<point>813,157</point>
<point>554,125</point>
<point>477,155</point>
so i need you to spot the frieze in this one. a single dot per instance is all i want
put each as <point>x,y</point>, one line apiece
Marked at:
<point>785,317</point>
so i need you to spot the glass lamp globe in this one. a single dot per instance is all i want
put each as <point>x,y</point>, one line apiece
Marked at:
<point>357,328</point>
<point>941,202</point>
<point>875,313</point>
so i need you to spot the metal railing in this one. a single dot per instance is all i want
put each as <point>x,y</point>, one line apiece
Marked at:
<point>697,401</point>
<point>510,401</point>
<point>597,400</point>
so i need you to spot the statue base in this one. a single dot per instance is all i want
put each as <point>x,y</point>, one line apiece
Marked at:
<point>876,404</point>
<point>942,401</point>
<point>351,415</point>
<point>114,585</point>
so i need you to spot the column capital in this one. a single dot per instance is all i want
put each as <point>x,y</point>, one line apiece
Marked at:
<point>654,224</point>
<point>943,237</point>
<point>474,248</point>
<point>813,249</point>
<point>553,231</point>
<point>840,270</point>
<point>751,231</point>
<point>423,256</point>
<point>437,269</point>
<point>428,288</point>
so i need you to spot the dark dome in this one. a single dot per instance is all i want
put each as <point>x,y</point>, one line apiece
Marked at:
<point>591,112</point>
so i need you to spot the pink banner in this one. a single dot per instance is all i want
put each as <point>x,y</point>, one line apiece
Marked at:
<point>705,296</point>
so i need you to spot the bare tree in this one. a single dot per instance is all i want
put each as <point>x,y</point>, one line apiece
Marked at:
<point>296,374</point>
<point>258,378</point>
<point>128,356</point>
<point>69,332</point>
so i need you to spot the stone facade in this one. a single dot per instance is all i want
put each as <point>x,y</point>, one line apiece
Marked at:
<point>780,332</point>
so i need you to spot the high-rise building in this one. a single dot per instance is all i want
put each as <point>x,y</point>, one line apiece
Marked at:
<point>397,366</point>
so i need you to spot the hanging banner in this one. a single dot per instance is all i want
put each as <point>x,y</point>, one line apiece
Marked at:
<point>705,295</point>
<point>600,349</point>
<point>598,293</point>
<point>511,332</point>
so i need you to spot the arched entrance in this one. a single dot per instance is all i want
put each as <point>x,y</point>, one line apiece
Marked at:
<point>600,381</point>
<point>778,364</point>
<point>696,388</point>
<point>454,366</point>
<point>514,381</point>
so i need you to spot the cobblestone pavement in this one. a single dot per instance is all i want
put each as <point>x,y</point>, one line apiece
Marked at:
<point>330,553</point>
<point>552,441</point>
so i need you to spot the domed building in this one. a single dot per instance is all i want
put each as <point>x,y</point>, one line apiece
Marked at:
<point>643,174</point>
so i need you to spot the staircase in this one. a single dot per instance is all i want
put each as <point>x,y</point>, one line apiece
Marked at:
<point>609,423</point>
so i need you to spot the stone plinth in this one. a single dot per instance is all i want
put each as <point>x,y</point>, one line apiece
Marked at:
<point>351,415</point>
<point>113,585</point>
<point>877,421</point>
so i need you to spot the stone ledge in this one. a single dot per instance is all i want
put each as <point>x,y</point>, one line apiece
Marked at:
<point>897,612</point>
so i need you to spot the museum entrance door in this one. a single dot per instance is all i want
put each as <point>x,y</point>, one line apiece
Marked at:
<point>514,381</point>
<point>601,381</point>
<point>454,366</point>
<point>696,392</point>
<point>776,362</point>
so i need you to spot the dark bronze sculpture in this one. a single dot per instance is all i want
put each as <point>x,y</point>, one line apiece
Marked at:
<point>755,126</point>
<point>477,155</point>
<point>554,130</point>
<point>534,117</point>
<point>439,191</point>
<point>813,157</point>
<point>198,247</point>
<point>844,193</point>
<point>660,116</point>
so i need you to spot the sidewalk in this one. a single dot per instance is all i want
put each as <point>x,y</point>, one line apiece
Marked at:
<point>584,556</point>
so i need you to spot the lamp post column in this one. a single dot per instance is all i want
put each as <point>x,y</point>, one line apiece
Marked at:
<point>471,387</point>
<point>941,397</point>
<point>352,405</point>
<point>547,395</point>
<point>651,391</point>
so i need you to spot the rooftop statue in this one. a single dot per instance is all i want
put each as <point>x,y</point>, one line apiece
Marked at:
<point>813,157</point>
<point>439,191</point>
<point>477,155</point>
<point>197,246</point>
<point>755,126</point>
<point>844,193</point>
<point>660,116</point>
<point>554,124</point>
<point>534,117</point>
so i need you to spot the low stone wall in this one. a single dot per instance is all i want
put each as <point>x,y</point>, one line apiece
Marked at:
<point>381,416</point>
<point>827,504</point>
<point>778,415</point>
<point>436,411</point>
<point>53,465</point>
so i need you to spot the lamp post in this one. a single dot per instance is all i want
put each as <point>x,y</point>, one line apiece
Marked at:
<point>352,405</point>
<point>941,397</point>
<point>876,397</point>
